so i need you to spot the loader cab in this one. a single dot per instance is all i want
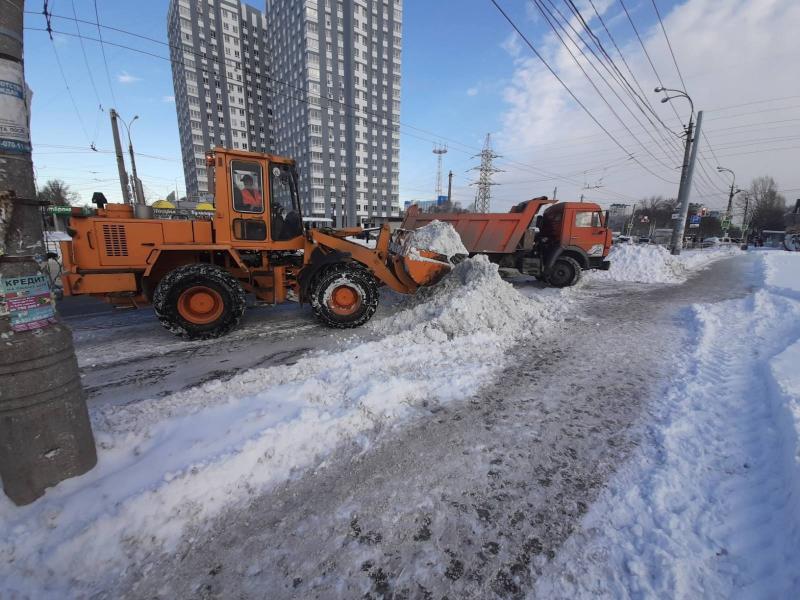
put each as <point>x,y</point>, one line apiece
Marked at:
<point>257,202</point>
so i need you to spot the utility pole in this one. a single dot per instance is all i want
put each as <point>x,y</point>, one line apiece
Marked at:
<point>687,171</point>
<point>744,222</point>
<point>45,433</point>
<point>449,187</point>
<point>138,194</point>
<point>728,211</point>
<point>123,175</point>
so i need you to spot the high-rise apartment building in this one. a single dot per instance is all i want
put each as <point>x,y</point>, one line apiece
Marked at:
<point>336,100</point>
<point>220,72</point>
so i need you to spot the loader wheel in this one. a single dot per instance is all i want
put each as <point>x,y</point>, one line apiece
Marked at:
<point>344,295</point>
<point>199,301</point>
<point>564,272</point>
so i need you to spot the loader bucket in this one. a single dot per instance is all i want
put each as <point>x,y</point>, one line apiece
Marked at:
<point>425,267</point>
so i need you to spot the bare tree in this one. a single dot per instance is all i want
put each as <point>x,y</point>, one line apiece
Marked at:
<point>766,206</point>
<point>57,193</point>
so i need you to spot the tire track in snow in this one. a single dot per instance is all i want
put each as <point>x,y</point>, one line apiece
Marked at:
<point>707,509</point>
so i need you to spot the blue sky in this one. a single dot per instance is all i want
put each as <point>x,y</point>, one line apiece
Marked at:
<point>463,76</point>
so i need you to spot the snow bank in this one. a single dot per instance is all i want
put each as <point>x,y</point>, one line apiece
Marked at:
<point>167,466</point>
<point>708,506</point>
<point>436,236</point>
<point>783,272</point>
<point>646,263</point>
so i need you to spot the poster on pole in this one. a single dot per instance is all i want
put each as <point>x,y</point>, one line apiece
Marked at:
<point>28,301</point>
<point>14,132</point>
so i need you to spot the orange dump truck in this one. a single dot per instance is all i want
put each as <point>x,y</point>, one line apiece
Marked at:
<point>196,270</point>
<point>567,238</point>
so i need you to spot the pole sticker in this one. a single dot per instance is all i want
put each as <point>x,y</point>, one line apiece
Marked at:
<point>28,301</point>
<point>14,131</point>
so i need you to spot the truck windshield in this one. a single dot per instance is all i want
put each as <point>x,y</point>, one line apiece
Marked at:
<point>284,202</point>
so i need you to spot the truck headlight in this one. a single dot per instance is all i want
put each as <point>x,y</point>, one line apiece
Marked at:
<point>596,250</point>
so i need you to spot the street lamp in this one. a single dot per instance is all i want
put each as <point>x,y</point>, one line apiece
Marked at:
<point>136,186</point>
<point>678,94</point>
<point>686,170</point>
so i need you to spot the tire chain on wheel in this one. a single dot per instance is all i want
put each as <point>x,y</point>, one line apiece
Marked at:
<point>169,289</point>
<point>354,274</point>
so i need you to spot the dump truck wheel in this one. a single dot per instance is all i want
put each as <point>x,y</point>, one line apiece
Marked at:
<point>199,301</point>
<point>564,272</point>
<point>344,295</point>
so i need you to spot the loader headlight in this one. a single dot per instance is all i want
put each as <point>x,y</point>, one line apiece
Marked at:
<point>596,250</point>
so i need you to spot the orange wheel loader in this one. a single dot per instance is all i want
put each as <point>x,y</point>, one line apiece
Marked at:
<point>196,270</point>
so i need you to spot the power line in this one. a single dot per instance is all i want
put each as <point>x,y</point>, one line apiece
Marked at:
<point>540,5</point>
<point>353,108</point>
<point>91,78</point>
<point>627,67</point>
<point>69,92</point>
<point>103,50</point>
<point>669,45</point>
<point>567,88</point>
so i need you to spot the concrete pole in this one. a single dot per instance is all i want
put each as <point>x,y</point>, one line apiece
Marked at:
<point>690,156</point>
<point>449,187</point>
<point>728,210</point>
<point>45,434</point>
<point>137,191</point>
<point>123,174</point>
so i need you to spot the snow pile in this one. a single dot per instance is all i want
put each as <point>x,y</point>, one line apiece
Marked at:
<point>472,298</point>
<point>783,272</point>
<point>169,465</point>
<point>436,236</point>
<point>647,263</point>
<point>708,506</point>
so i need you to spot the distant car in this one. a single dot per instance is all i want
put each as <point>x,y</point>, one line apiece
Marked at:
<point>709,242</point>
<point>643,240</point>
<point>623,239</point>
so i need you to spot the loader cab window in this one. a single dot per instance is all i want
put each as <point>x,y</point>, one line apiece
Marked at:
<point>284,202</point>
<point>247,184</point>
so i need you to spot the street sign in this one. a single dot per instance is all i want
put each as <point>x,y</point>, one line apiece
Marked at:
<point>694,225</point>
<point>676,216</point>
<point>694,219</point>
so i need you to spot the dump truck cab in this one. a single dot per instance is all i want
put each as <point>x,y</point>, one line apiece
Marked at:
<point>555,246</point>
<point>577,230</point>
<point>195,267</point>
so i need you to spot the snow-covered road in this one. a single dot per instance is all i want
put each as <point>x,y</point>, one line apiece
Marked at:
<point>513,421</point>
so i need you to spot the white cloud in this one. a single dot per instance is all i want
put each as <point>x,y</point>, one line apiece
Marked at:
<point>512,45</point>
<point>126,77</point>
<point>168,98</point>
<point>473,91</point>
<point>730,53</point>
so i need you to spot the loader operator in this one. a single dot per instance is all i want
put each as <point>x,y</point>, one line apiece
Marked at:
<point>251,197</point>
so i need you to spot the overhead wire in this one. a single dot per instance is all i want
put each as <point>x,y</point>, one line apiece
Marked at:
<point>566,87</point>
<point>647,131</point>
<point>91,77</point>
<point>103,51</point>
<point>353,108</point>
<point>69,93</point>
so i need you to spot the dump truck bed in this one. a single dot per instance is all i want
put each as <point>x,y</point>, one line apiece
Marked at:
<point>490,233</point>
